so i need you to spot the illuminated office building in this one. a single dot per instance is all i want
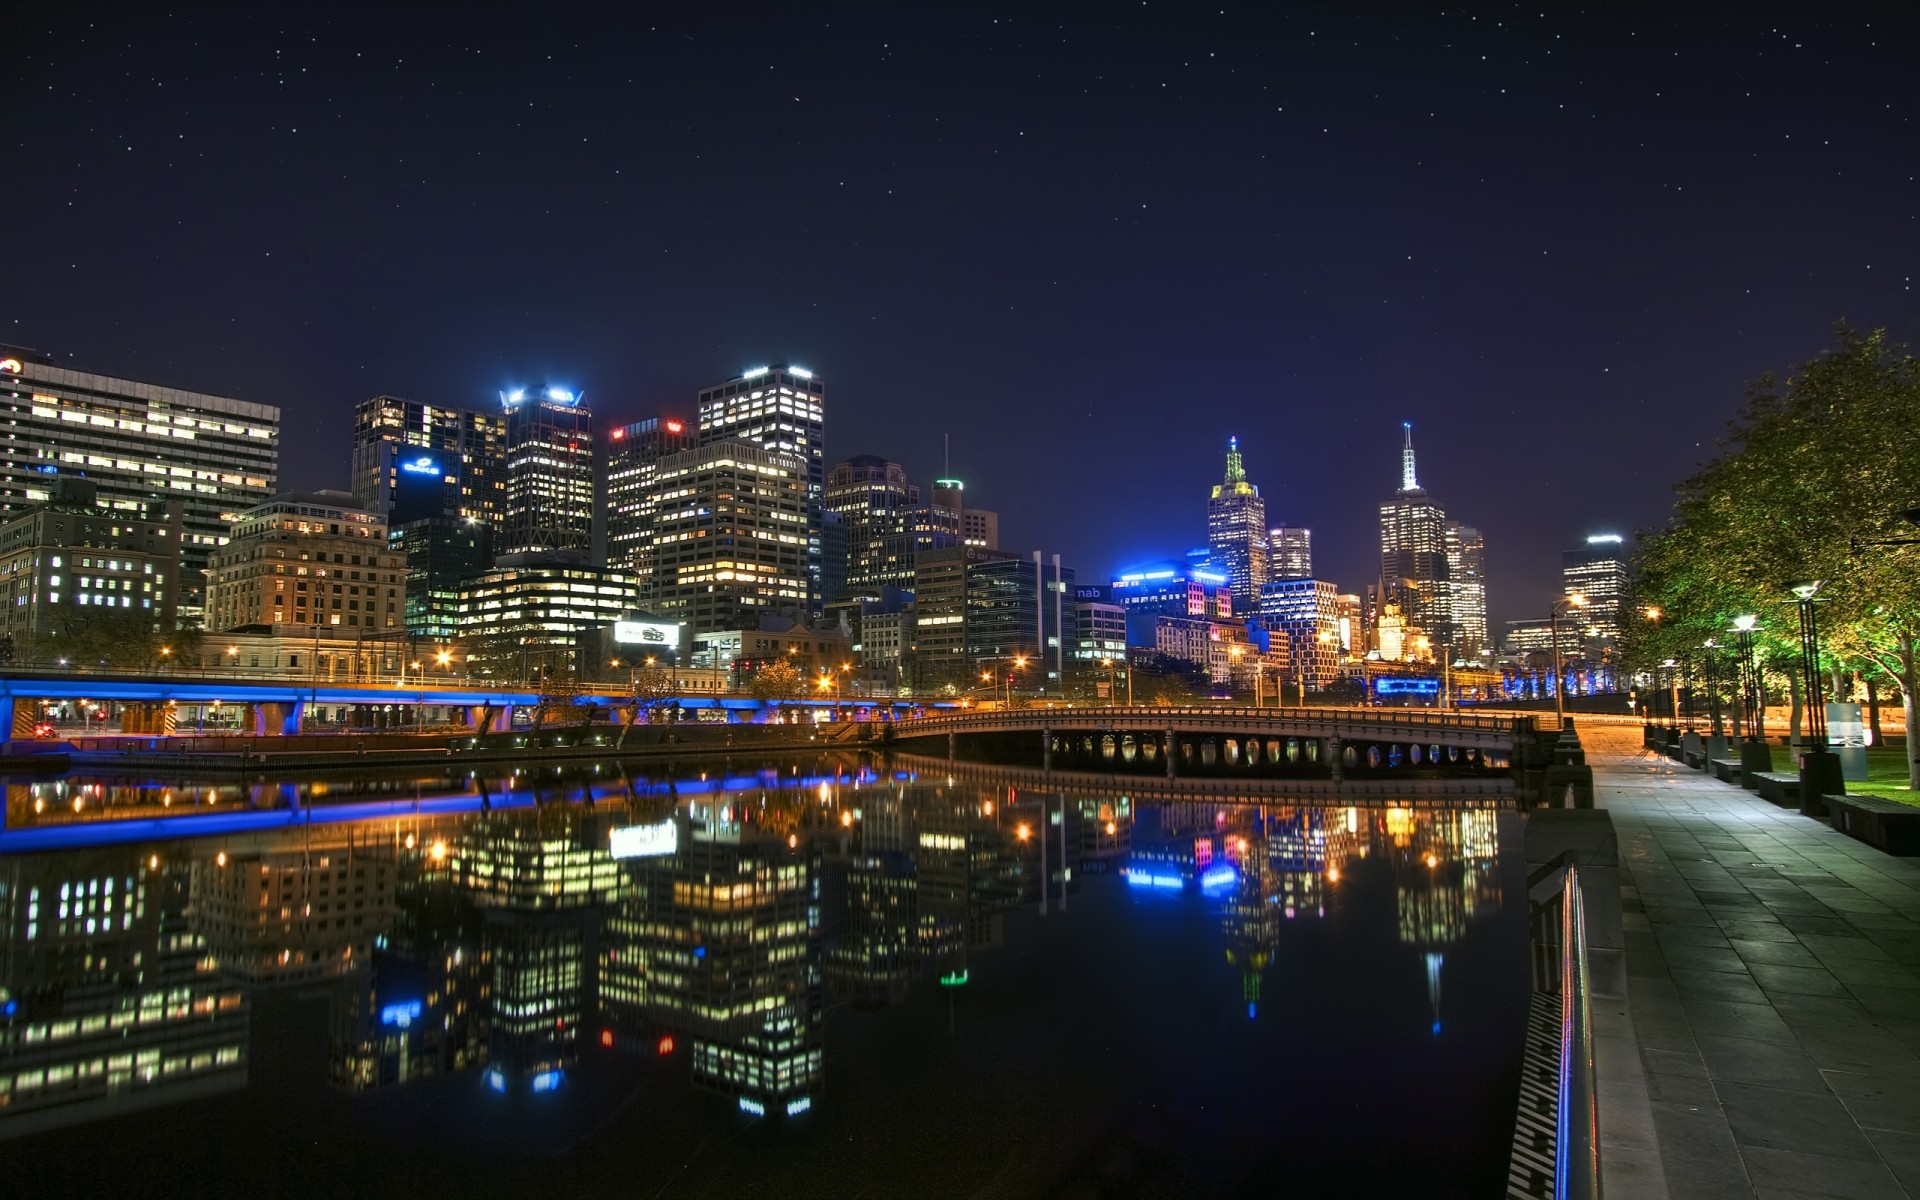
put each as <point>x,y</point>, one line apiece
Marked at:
<point>633,466</point>
<point>139,444</point>
<point>782,409</point>
<point>440,554</point>
<point>530,615</point>
<point>70,554</point>
<point>1289,552</point>
<point>307,558</point>
<point>883,519</point>
<point>1467,584</point>
<point>731,535</point>
<point>550,472</point>
<point>1237,531</point>
<point>1306,613</point>
<point>413,460</point>
<point>977,527</point>
<point>1599,573</point>
<point>1413,557</point>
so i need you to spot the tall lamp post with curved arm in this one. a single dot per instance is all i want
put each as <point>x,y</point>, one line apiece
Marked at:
<point>1564,604</point>
<point>1755,757</point>
<point>1820,773</point>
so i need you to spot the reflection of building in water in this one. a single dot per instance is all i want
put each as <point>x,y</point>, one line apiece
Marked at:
<point>1446,875</point>
<point>1106,826</point>
<point>282,916</point>
<point>422,1005</point>
<point>720,938</point>
<point>876,952</point>
<point>109,1000</point>
<point>540,880</point>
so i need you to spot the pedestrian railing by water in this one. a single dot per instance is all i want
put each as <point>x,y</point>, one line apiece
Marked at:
<point>1560,974</point>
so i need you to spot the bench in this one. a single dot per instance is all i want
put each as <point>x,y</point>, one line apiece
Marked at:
<point>1887,824</point>
<point>1697,759</point>
<point>1780,788</point>
<point>1726,770</point>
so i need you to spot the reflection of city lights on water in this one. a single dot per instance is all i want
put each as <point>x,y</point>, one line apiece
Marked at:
<point>1219,878</point>
<point>1154,879</point>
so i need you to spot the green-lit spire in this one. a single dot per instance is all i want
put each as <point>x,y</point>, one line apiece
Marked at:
<point>1235,472</point>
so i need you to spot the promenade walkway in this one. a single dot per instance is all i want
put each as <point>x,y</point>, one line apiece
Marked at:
<point>1774,985</point>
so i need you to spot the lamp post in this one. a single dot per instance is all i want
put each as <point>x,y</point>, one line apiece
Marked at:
<point>1672,667</point>
<point>1756,758</point>
<point>1567,603</point>
<point>1713,689</point>
<point>1820,773</point>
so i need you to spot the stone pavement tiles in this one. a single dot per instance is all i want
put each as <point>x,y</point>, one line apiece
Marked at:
<point>1774,981</point>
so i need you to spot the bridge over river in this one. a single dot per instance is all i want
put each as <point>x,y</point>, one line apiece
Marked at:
<point>1335,744</point>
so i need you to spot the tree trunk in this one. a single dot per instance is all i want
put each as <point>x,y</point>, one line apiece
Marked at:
<point>1909,683</point>
<point>1873,712</point>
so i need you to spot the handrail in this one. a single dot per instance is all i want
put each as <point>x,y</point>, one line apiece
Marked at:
<point>1349,716</point>
<point>1577,1144</point>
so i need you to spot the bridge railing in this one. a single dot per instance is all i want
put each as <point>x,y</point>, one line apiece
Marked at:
<point>1445,719</point>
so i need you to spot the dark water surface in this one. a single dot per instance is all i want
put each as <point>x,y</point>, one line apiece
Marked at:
<point>761,981</point>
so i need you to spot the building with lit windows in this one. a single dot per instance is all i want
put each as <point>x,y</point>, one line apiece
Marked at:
<point>1599,573</point>
<point>782,409</point>
<point>139,444</point>
<point>550,472</point>
<point>730,536</point>
<point>1289,552</point>
<point>633,466</point>
<point>1467,583</point>
<point>530,616</point>
<point>884,522</point>
<point>1413,557</point>
<point>1306,613</point>
<point>1237,531</point>
<point>307,558</point>
<point>1016,608</point>
<point>977,527</point>
<point>70,557</point>
<point>413,460</point>
<point>440,554</point>
<point>1100,632</point>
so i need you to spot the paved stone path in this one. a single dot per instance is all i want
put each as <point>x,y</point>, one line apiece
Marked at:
<point>1774,981</point>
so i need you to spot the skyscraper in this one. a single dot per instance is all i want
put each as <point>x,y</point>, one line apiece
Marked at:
<point>877,507</point>
<point>730,536</point>
<point>633,461</point>
<point>139,443</point>
<point>1289,553</point>
<point>398,443</point>
<point>1413,557</point>
<point>1467,584</point>
<point>1599,573</point>
<point>781,408</point>
<point>550,472</point>
<point>1237,531</point>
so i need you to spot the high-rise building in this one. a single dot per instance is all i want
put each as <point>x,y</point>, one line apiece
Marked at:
<point>1237,531</point>
<point>939,656</point>
<point>1306,613</point>
<point>440,554</point>
<point>1289,553</point>
<point>782,409</point>
<point>413,460</point>
<point>884,521</point>
<point>70,557</point>
<point>139,443</point>
<point>1015,610</point>
<point>1467,583</point>
<point>731,536</point>
<point>307,558</point>
<point>633,464</point>
<point>1413,557</point>
<point>1599,574</point>
<point>550,472</point>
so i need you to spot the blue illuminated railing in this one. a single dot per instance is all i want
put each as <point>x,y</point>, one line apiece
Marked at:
<point>1577,1150</point>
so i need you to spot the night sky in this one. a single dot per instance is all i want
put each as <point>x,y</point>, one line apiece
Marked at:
<point>1089,242</point>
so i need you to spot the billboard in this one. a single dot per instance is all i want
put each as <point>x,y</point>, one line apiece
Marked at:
<point>1391,685</point>
<point>645,841</point>
<point>646,633</point>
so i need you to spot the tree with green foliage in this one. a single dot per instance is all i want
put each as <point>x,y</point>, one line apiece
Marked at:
<point>777,680</point>
<point>1815,471</point>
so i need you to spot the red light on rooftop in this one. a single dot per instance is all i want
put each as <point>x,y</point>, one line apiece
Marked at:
<point>666,1045</point>
<point>618,434</point>
<point>606,1037</point>
<point>674,427</point>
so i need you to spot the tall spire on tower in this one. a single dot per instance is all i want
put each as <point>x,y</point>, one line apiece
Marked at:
<point>1408,483</point>
<point>1236,473</point>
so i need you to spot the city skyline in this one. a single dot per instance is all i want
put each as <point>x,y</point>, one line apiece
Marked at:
<point>331,210</point>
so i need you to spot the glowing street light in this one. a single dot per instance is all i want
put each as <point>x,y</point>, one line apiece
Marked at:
<point>1565,604</point>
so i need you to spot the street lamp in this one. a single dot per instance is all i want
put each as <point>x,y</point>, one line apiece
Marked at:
<point>1820,773</point>
<point>1746,723</point>
<point>1713,688</point>
<point>1568,604</point>
<point>233,657</point>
